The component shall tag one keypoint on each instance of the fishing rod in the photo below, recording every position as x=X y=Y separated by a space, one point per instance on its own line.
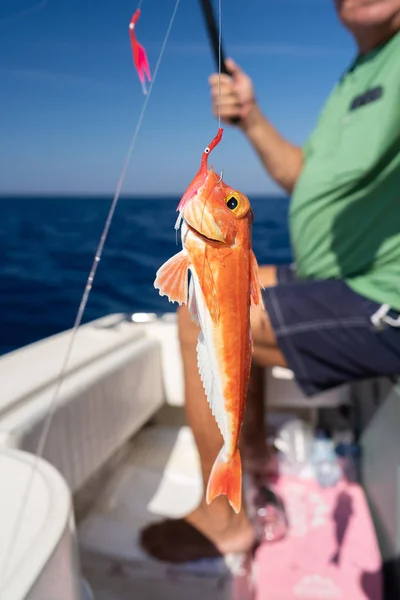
x=215 y=41
x=214 y=36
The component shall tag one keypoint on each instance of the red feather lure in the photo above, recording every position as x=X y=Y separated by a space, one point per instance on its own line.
x=139 y=53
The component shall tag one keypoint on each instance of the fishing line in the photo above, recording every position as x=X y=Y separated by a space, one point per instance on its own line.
x=219 y=59
x=219 y=125
x=36 y=8
x=82 y=305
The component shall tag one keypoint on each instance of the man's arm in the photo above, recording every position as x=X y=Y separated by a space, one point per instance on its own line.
x=235 y=97
x=282 y=160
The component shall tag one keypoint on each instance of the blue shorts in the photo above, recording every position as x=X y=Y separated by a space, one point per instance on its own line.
x=329 y=334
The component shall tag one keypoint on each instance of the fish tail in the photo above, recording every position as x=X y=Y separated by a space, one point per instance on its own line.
x=226 y=478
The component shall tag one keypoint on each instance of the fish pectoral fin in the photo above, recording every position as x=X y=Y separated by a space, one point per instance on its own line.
x=255 y=282
x=226 y=478
x=215 y=401
x=172 y=278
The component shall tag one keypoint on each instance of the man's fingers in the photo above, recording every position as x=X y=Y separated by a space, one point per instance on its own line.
x=227 y=112
x=234 y=69
x=226 y=94
x=215 y=78
x=227 y=103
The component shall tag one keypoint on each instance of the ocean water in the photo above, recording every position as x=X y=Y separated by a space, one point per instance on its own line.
x=47 y=247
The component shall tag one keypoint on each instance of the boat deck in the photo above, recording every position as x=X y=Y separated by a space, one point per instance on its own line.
x=329 y=552
x=124 y=475
x=159 y=477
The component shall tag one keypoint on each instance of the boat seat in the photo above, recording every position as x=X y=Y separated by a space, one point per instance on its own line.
x=113 y=384
x=283 y=392
x=38 y=550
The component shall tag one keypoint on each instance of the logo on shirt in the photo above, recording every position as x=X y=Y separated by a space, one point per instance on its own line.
x=366 y=98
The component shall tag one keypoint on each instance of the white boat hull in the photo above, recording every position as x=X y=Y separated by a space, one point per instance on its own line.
x=38 y=549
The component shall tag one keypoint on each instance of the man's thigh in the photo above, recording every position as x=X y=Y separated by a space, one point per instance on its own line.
x=266 y=351
x=322 y=330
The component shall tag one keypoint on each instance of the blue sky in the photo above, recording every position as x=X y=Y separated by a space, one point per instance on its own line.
x=70 y=97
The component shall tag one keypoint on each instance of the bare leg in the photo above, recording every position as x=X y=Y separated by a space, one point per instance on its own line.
x=217 y=520
x=221 y=529
x=258 y=457
x=199 y=416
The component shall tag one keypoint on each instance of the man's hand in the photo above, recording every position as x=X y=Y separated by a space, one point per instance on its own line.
x=237 y=95
x=282 y=160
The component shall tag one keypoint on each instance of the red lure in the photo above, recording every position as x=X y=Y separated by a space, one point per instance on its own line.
x=200 y=178
x=139 y=53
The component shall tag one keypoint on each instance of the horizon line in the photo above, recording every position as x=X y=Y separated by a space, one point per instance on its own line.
x=108 y=196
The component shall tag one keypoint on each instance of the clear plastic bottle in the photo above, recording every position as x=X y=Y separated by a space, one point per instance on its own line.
x=325 y=462
x=266 y=511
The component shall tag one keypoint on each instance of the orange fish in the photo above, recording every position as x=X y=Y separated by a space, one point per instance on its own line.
x=216 y=240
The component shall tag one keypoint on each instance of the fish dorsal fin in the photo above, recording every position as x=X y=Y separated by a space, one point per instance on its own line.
x=172 y=278
x=255 y=282
x=214 y=398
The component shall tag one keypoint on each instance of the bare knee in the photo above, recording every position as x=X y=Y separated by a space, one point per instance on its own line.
x=266 y=350
x=268 y=276
x=261 y=328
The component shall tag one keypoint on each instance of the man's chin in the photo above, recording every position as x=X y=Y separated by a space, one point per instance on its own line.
x=367 y=13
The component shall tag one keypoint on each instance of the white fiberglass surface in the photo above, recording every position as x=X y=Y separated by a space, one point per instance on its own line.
x=31 y=524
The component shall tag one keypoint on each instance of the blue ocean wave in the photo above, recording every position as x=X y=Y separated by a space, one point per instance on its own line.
x=47 y=247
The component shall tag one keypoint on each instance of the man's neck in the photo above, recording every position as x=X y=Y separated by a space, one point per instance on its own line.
x=368 y=39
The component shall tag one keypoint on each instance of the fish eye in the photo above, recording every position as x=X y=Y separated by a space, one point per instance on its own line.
x=238 y=204
x=232 y=203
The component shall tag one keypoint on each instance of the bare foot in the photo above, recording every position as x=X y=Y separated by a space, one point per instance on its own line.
x=176 y=541
x=208 y=532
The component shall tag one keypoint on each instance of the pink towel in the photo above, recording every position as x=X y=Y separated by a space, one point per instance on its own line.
x=331 y=551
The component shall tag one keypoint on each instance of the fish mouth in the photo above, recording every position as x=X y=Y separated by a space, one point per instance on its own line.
x=204 y=237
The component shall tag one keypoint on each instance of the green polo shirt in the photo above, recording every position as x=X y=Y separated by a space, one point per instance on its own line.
x=345 y=209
